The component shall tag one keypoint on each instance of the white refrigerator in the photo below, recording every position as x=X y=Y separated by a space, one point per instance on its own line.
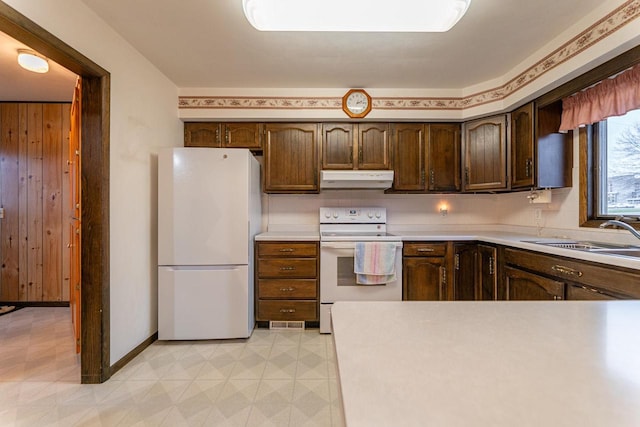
x=208 y=214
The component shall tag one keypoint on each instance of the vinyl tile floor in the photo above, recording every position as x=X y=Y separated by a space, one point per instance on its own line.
x=273 y=378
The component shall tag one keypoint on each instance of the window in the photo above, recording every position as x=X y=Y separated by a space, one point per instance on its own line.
x=616 y=157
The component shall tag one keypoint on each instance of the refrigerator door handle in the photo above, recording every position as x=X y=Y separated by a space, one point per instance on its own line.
x=203 y=267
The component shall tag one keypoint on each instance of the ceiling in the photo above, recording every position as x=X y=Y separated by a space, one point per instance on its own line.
x=18 y=84
x=209 y=43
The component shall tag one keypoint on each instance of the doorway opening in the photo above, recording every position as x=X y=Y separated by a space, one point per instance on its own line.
x=94 y=173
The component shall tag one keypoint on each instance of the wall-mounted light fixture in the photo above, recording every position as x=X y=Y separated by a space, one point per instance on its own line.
x=355 y=15
x=444 y=209
x=32 y=61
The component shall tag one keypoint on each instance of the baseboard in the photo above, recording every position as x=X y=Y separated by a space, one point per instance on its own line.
x=133 y=353
x=36 y=303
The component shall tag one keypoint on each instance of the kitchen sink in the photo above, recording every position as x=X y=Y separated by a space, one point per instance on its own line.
x=594 y=247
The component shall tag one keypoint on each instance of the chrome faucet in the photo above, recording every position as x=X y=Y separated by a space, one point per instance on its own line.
x=619 y=223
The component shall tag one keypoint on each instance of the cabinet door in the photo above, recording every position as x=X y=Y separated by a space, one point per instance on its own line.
x=373 y=146
x=443 y=157
x=242 y=135
x=522 y=149
x=487 y=285
x=407 y=140
x=291 y=158
x=521 y=286
x=338 y=146
x=424 y=279
x=202 y=135
x=485 y=151
x=465 y=259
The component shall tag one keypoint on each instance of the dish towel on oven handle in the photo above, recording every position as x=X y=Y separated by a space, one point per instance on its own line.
x=374 y=263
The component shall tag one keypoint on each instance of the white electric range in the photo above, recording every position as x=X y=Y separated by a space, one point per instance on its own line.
x=340 y=230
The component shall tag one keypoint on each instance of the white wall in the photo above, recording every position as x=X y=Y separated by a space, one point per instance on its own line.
x=143 y=118
x=403 y=210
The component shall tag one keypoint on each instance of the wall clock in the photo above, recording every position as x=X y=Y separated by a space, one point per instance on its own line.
x=356 y=103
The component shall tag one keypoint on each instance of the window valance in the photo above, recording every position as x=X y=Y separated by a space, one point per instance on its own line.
x=612 y=97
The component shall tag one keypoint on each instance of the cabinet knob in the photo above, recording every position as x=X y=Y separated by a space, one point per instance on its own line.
x=289 y=289
x=286 y=250
x=287 y=268
x=287 y=310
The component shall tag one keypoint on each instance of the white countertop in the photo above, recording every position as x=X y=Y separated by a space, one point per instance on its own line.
x=311 y=236
x=575 y=363
x=517 y=240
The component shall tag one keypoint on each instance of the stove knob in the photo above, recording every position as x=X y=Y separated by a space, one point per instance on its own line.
x=335 y=214
x=370 y=214
x=327 y=214
x=378 y=214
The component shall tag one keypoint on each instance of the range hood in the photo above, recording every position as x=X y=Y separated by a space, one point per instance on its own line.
x=337 y=179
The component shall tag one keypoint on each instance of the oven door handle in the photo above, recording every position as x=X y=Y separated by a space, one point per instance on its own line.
x=346 y=245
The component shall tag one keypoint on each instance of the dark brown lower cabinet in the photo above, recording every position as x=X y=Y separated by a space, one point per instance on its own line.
x=465 y=258
x=423 y=279
x=487 y=287
x=521 y=285
x=424 y=272
x=554 y=275
x=286 y=286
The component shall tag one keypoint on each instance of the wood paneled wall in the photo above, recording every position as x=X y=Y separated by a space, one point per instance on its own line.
x=34 y=192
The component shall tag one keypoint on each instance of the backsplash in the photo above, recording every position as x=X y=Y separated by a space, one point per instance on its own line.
x=402 y=209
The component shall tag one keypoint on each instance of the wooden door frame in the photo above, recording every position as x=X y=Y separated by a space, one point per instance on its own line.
x=96 y=89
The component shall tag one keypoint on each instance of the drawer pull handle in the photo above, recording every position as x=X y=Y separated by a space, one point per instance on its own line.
x=566 y=270
x=426 y=250
x=289 y=289
x=287 y=268
x=286 y=250
x=287 y=310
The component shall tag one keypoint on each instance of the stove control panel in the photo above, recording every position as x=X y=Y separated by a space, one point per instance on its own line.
x=372 y=215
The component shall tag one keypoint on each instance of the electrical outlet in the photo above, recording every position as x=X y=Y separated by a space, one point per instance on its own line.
x=537 y=214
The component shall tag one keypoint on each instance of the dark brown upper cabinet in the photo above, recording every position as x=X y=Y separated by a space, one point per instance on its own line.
x=407 y=142
x=485 y=154
x=355 y=146
x=426 y=157
x=541 y=157
x=523 y=165
x=225 y=135
x=291 y=158
x=202 y=134
x=443 y=156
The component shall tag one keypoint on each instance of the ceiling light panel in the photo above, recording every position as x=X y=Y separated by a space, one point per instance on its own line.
x=355 y=15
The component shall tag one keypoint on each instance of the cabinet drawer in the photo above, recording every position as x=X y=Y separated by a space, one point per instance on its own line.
x=288 y=267
x=607 y=278
x=288 y=288
x=287 y=310
x=424 y=249
x=287 y=249
x=578 y=292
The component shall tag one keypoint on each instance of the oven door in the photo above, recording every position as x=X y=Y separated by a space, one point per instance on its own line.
x=338 y=281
